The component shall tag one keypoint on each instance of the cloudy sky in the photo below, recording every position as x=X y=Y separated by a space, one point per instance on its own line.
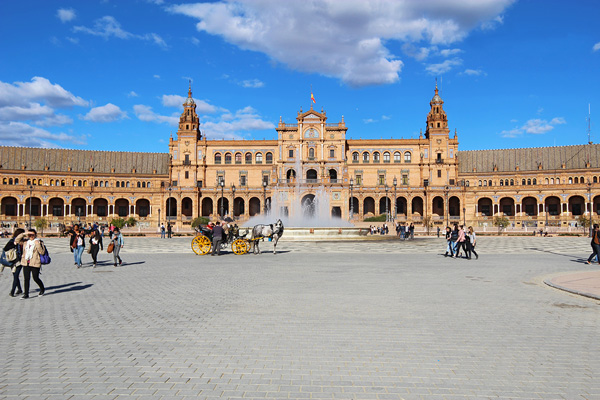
x=112 y=75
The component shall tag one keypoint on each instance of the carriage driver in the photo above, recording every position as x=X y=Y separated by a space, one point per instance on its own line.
x=217 y=238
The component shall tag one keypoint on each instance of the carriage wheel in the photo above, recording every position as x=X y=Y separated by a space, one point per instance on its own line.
x=240 y=246
x=201 y=245
x=247 y=245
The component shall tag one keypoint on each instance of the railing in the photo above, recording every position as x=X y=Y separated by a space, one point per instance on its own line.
x=331 y=180
x=187 y=162
x=439 y=161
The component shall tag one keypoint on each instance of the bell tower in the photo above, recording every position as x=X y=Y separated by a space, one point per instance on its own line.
x=189 y=124
x=437 y=121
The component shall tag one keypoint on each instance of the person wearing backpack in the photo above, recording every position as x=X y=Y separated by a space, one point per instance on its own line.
x=16 y=264
x=30 y=260
x=454 y=240
x=595 y=245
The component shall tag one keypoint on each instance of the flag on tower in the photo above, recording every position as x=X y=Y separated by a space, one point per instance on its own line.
x=312 y=98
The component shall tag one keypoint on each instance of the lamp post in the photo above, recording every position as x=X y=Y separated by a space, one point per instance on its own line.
x=395 y=182
x=233 y=200
x=387 y=215
x=169 y=205
x=264 y=184
x=464 y=216
x=351 y=198
x=446 y=212
x=159 y=217
x=546 y=225
x=222 y=184
x=30 y=195
x=589 y=188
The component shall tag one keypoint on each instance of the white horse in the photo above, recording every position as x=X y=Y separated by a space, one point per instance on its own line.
x=266 y=231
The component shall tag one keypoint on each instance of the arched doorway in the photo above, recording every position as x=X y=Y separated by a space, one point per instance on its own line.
x=454 y=207
x=171 y=207
x=311 y=176
x=437 y=206
x=368 y=206
x=254 y=206
x=122 y=207
x=353 y=205
x=417 y=206
x=576 y=205
x=384 y=205
x=552 y=204
x=100 y=207
x=401 y=208
x=484 y=206
x=336 y=212
x=290 y=174
x=207 y=207
x=142 y=207
x=596 y=205
x=507 y=206
x=332 y=175
x=308 y=205
x=530 y=206
x=56 y=205
x=186 y=207
x=238 y=207
x=223 y=206
x=9 y=206
x=36 y=206
x=78 y=208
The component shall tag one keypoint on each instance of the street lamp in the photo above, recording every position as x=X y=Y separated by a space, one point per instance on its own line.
x=159 y=217
x=264 y=183
x=351 y=198
x=233 y=199
x=169 y=205
x=30 y=194
x=446 y=212
x=222 y=184
x=395 y=198
x=465 y=216
x=387 y=215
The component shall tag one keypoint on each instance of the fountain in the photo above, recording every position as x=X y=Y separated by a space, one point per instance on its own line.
x=306 y=215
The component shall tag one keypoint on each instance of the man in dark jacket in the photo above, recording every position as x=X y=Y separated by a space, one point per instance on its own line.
x=217 y=238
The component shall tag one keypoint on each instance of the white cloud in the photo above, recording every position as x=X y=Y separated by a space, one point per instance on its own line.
x=107 y=113
x=145 y=113
x=22 y=134
x=231 y=126
x=450 y=52
x=442 y=68
x=253 y=83
x=418 y=53
x=156 y=76
x=66 y=14
x=369 y=120
x=202 y=107
x=107 y=27
x=132 y=94
x=346 y=40
x=39 y=89
x=534 y=126
x=596 y=47
x=474 y=72
x=493 y=23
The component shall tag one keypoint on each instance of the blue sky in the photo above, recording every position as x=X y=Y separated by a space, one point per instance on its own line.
x=112 y=75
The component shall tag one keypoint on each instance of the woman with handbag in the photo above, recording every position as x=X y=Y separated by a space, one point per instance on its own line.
x=118 y=243
x=95 y=245
x=17 y=248
x=77 y=244
x=30 y=260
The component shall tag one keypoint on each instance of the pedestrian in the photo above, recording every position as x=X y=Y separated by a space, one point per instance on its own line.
x=411 y=229
x=162 y=230
x=454 y=240
x=595 y=245
x=30 y=260
x=472 y=242
x=77 y=242
x=403 y=231
x=169 y=230
x=462 y=242
x=438 y=231
x=217 y=238
x=16 y=264
x=95 y=245
x=118 y=243
x=450 y=245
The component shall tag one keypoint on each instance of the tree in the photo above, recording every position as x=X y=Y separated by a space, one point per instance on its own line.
x=118 y=222
x=427 y=222
x=584 y=222
x=199 y=221
x=501 y=223
x=41 y=224
x=130 y=221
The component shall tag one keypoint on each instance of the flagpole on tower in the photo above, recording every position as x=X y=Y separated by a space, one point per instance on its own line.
x=312 y=98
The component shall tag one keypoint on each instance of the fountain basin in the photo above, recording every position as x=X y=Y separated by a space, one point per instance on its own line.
x=308 y=234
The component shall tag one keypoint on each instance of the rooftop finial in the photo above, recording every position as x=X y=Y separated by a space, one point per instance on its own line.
x=436 y=89
x=190 y=89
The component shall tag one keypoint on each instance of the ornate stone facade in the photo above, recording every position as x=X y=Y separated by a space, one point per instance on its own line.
x=410 y=179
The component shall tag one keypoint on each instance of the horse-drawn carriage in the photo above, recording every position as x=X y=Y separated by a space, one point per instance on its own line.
x=239 y=243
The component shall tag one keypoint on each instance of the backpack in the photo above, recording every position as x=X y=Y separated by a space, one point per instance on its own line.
x=454 y=236
x=45 y=258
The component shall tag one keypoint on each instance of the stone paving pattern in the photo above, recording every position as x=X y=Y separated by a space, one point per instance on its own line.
x=371 y=320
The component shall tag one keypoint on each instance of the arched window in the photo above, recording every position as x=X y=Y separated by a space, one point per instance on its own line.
x=523 y=182
x=595 y=179
x=512 y=182
x=74 y=183
x=148 y=184
x=407 y=157
x=144 y=185
x=386 y=157
x=258 y=158
x=16 y=181
x=51 y=182
x=529 y=182
x=570 y=180
x=248 y=158
x=355 y=156
x=10 y=181
x=376 y=156
x=534 y=181
x=397 y=157
x=118 y=184
x=79 y=183
x=139 y=184
x=105 y=183
x=269 y=158
x=62 y=183
x=547 y=181
x=576 y=180
x=127 y=185
x=39 y=182
x=238 y=158
x=227 y=158
x=480 y=184
x=490 y=183
x=366 y=157
x=29 y=181
x=217 y=158
x=484 y=183
x=581 y=180
x=501 y=182
x=311 y=153
x=101 y=184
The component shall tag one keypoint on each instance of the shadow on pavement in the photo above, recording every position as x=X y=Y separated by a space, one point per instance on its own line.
x=62 y=286
x=72 y=288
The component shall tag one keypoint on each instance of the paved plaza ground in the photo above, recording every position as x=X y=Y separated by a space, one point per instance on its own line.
x=351 y=320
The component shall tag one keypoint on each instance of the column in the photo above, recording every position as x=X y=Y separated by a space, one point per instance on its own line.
x=134 y=209
x=65 y=210
x=516 y=209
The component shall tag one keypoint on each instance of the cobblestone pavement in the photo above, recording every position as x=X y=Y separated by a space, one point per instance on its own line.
x=371 y=320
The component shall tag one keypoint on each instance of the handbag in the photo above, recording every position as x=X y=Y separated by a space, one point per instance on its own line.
x=3 y=260
x=12 y=255
x=110 y=247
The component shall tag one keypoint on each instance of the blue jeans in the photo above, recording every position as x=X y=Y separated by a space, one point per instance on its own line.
x=77 y=252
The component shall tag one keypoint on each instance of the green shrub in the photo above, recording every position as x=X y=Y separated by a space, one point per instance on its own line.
x=200 y=221
x=131 y=221
x=118 y=222
x=379 y=218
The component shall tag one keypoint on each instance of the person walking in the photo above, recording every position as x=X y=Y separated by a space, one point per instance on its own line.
x=217 y=238
x=118 y=243
x=16 y=265
x=77 y=244
x=461 y=242
x=95 y=245
x=411 y=229
x=30 y=260
x=450 y=246
x=169 y=230
x=472 y=242
x=162 y=231
x=454 y=240
x=595 y=245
